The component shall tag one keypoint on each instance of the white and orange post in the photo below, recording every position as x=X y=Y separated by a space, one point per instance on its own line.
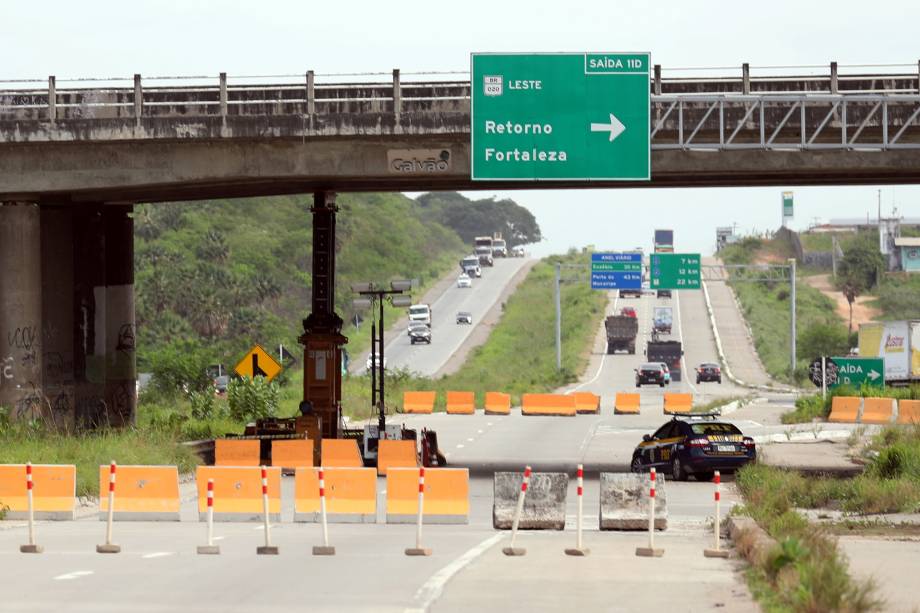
x=511 y=550
x=109 y=547
x=717 y=552
x=579 y=549
x=31 y=547
x=325 y=549
x=210 y=547
x=418 y=550
x=651 y=551
x=268 y=548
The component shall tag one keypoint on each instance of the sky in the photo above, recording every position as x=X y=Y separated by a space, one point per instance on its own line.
x=105 y=38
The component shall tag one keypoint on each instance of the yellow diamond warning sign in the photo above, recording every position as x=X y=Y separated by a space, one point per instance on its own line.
x=258 y=363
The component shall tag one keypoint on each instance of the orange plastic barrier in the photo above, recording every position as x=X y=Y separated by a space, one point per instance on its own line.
x=677 y=404
x=498 y=403
x=586 y=402
x=237 y=492
x=142 y=493
x=548 y=404
x=341 y=453
x=447 y=496
x=351 y=495
x=909 y=411
x=877 y=410
x=627 y=404
x=395 y=454
x=292 y=453
x=461 y=403
x=236 y=452
x=54 y=491
x=844 y=409
x=418 y=402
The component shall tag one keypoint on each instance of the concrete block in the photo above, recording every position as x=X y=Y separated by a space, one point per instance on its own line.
x=624 y=502
x=544 y=504
x=208 y=550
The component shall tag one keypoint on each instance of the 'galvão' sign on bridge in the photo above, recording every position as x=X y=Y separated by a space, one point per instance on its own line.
x=568 y=116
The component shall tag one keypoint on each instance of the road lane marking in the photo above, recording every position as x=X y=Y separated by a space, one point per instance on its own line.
x=459 y=445
x=469 y=440
x=218 y=538
x=680 y=335
x=74 y=575
x=432 y=589
x=600 y=367
x=488 y=423
x=158 y=554
x=478 y=431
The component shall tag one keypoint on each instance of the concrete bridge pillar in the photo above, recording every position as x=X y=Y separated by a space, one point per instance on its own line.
x=58 y=313
x=20 y=309
x=89 y=319
x=120 y=357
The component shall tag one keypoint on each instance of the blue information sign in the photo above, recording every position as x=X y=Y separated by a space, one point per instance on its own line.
x=616 y=271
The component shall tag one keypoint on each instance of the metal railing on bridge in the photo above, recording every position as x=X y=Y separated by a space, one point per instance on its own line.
x=734 y=112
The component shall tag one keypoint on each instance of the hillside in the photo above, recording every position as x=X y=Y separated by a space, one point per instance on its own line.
x=213 y=277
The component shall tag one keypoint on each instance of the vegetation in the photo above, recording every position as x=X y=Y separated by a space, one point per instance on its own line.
x=859 y=270
x=897 y=296
x=765 y=306
x=805 y=571
x=520 y=356
x=810 y=408
x=469 y=219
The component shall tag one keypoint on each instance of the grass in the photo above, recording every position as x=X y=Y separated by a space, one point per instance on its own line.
x=766 y=308
x=22 y=443
x=520 y=356
x=717 y=403
x=897 y=296
x=805 y=571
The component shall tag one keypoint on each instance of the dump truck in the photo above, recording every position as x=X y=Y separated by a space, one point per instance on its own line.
x=621 y=333
x=662 y=320
x=898 y=343
x=669 y=352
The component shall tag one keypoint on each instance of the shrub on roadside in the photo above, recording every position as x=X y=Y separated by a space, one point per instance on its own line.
x=251 y=399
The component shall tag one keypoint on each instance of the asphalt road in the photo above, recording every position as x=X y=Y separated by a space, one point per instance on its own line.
x=446 y=335
x=159 y=571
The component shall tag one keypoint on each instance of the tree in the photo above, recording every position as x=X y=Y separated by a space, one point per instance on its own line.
x=821 y=339
x=858 y=270
x=471 y=218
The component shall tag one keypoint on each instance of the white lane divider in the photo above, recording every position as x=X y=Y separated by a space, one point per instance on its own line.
x=218 y=538
x=488 y=423
x=479 y=431
x=680 y=335
x=74 y=575
x=158 y=554
x=469 y=440
x=600 y=367
x=432 y=589
x=459 y=445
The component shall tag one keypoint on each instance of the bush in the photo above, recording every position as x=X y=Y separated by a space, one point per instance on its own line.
x=252 y=399
x=179 y=368
x=822 y=338
x=203 y=405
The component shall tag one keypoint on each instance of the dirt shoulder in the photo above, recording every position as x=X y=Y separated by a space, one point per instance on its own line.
x=862 y=311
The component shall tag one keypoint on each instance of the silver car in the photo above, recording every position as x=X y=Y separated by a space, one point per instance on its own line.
x=464 y=317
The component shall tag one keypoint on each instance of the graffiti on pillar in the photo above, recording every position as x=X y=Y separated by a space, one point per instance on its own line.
x=29 y=405
x=53 y=366
x=61 y=407
x=23 y=337
x=7 y=370
x=122 y=401
x=91 y=412
x=125 y=342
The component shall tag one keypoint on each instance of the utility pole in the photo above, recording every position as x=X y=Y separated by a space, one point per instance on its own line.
x=792 y=313
x=558 y=321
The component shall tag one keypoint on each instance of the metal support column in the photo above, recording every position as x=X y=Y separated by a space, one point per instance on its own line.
x=792 y=314
x=381 y=373
x=322 y=338
x=558 y=321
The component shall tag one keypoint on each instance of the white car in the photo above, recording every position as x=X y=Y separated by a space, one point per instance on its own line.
x=517 y=251
x=464 y=280
x=376 y=362
x=464 y=317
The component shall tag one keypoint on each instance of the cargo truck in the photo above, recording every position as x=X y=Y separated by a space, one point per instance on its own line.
x=898 y=343
x=499 y=247
x=663 y=319
x=664 y=241
x=669 y=352
x=621 y=333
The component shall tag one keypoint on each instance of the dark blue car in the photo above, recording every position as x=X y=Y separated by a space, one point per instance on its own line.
x=695 y=445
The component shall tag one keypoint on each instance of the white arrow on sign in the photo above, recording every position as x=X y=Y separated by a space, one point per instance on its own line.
x=874 y=375
x=615 y=127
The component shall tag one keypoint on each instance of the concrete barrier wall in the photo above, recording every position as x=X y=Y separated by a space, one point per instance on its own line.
x=544 y=505
x=624 y=501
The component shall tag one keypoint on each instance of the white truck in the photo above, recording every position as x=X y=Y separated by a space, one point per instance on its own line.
x=499 y=247
x=470 y=265
x=482 y=247
x=420 y=313
x=898 y=343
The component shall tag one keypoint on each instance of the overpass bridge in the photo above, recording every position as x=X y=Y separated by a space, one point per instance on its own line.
x=74 y=159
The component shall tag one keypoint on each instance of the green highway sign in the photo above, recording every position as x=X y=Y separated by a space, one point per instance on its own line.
x=858 y=371
x=674 y=271
x=560 y=116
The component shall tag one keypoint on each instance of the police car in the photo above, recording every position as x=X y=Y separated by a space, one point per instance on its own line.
x=694 y=445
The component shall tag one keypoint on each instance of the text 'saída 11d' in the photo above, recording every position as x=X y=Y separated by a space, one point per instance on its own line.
x=674 y=271
x=568 y=116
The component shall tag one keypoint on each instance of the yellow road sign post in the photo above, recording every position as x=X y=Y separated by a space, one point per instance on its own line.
x=258 y=363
